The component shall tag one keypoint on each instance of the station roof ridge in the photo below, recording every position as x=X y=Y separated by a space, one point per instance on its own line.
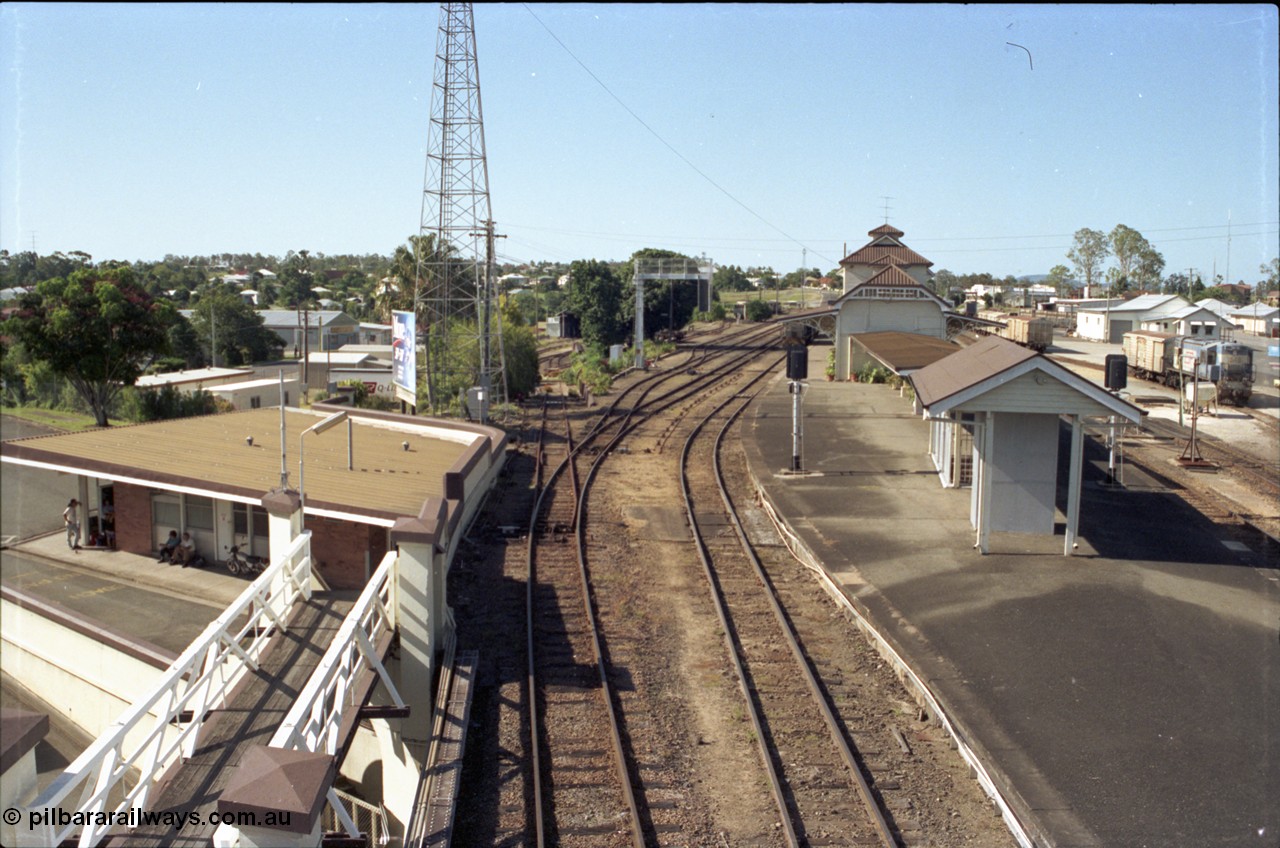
x=993 y=361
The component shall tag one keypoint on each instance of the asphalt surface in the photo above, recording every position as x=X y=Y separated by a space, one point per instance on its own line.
x=31 y=502
x=1127 y=696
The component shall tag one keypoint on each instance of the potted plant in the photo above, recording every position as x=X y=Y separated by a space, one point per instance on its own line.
x=831 y=364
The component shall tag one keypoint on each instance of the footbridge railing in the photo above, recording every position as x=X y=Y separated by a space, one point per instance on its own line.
x=112 y=779
x=315 y=721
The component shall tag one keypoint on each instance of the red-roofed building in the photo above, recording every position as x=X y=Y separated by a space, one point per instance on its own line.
x=884 y=250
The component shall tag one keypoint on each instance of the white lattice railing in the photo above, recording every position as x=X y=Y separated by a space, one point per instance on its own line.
x=313 y=722
x=98 y=782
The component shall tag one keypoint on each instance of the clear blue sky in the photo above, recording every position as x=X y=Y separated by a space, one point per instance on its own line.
x=132 y=131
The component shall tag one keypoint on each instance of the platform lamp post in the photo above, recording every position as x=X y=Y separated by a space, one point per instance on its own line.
x=331 y=421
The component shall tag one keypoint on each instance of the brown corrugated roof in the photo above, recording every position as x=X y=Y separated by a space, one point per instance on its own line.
x=968 y=367
x=211 y=453
x=891 y=276
x=905 y=351
x=870 y=253
x=885 y=244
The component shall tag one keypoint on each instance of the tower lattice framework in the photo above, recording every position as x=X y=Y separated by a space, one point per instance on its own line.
x=455 y=295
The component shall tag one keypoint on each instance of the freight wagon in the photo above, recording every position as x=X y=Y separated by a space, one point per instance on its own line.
x=1035 y=333
x=1172 y=359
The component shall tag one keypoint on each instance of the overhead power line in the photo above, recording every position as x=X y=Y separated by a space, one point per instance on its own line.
x=666 y=143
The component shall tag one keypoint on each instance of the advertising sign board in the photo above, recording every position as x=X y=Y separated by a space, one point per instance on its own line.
x=404 y=360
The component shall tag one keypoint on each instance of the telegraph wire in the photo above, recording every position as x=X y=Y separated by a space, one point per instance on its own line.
x=667 y=144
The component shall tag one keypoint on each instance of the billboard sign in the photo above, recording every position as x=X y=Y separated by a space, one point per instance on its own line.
x=404 y=360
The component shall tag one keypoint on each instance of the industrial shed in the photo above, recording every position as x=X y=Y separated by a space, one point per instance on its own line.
x=997 y=407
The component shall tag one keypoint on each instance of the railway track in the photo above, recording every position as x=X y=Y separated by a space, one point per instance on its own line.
x=813 y=771
x=593 y=744
x=586 y=790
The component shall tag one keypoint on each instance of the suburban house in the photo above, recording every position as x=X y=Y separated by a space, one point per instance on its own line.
x=1109 y=323
x=1194 y=320
x=1258 y=319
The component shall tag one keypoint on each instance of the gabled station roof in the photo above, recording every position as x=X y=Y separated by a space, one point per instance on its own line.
x=971 y=378
x=885 y=244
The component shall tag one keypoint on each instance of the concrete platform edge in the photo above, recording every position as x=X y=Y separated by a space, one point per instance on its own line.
x=1017 y=814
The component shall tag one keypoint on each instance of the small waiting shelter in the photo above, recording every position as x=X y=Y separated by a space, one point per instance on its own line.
x=996 y=407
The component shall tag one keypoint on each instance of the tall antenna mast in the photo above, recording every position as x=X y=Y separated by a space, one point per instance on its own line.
x=454 y=289
x=886 y=208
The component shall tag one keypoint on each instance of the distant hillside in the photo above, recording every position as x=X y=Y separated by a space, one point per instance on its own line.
x=1032 y=279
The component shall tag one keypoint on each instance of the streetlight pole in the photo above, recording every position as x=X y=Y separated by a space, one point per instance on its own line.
x=332 y=420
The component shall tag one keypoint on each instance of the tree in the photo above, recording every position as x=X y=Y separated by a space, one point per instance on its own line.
x=1061 y=279
x=595 y=297
x=667 y=303
x=758 y=310
x=223 y=318
x=1149 y=267
x=943 y=282
x=97 y=328
x=1270 y=276
x=730 y=278
x=1128 y=245
x=519 y=351
x=1088 y=251
x=296 y=279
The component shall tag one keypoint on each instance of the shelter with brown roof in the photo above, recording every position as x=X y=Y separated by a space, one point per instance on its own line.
x=995 y=410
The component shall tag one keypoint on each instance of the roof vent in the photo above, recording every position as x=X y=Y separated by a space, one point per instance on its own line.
x=249 y=441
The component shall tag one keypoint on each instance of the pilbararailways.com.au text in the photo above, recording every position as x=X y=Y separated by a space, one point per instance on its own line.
x=132 y=818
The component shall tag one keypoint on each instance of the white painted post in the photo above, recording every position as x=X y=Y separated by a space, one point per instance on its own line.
x=639 y=320
x=984 y=495
x=419 y=624
x=1074 y=473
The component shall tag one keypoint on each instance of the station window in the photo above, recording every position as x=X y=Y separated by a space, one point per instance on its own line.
x=166 y=513
x=199 y=513
x=255 y=402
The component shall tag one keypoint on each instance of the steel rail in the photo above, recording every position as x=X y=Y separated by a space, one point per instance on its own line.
x=874 y=812
x=612 y=414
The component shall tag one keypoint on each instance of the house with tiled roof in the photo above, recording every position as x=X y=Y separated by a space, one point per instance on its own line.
x=885 y=250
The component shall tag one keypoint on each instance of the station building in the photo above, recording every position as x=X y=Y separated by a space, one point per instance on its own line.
x=218 y=476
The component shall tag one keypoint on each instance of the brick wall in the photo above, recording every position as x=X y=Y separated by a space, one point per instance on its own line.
x=339 y=547
x=133 y=518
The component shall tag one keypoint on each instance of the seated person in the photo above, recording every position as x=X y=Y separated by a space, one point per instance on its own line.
x=169 y=547
x=185 y=551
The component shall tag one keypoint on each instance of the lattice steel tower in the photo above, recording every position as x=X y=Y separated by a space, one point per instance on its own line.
x=455 y=293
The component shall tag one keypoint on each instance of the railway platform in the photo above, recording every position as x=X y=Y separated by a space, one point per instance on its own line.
x=1128 y=695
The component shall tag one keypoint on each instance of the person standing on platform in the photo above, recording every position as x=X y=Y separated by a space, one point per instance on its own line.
x=71 y=518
